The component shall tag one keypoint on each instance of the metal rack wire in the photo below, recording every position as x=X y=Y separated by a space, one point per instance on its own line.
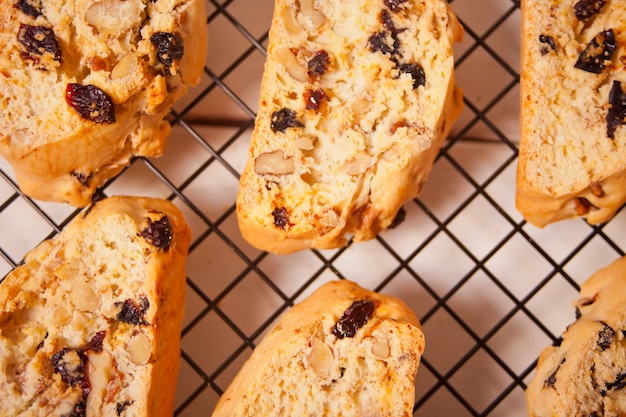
x=491 y=291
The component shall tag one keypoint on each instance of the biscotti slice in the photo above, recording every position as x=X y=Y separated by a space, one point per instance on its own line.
x=356 y=99
x=85 y=86
x=572 y=150
x=342 y=351
x=585 y=374
x=90 y=323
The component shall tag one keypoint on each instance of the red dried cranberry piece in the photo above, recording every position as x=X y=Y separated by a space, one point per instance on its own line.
x=70 y=362
x=416 y=72
x=394 y=5
x=280 y=217
x=597 y=52
x=385 y=18
x=355 y=317
x=159 y=233
x=169 y=47
x=284 y=119
x=38 y=41
x=617 y=112
x=29 y=7
x=584 y=9
x=132 y=313
x=384 y=42
x=619 y=383
x=318 y=65
x=314 y=99
x=90 y=102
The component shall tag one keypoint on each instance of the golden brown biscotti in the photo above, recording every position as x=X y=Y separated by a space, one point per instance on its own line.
x=572 y=150
x=585 y=375
x=90 y=323
x=342 y=351
x=356 y=99
x=85 y=86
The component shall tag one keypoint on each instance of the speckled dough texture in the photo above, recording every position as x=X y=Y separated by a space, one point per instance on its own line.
x=302 y=368
x=115 y=277
x=585 y=375
x=572 y=160
x=356 y=99
x=58 y=154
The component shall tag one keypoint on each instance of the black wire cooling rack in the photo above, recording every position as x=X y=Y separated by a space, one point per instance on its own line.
x=491 y=290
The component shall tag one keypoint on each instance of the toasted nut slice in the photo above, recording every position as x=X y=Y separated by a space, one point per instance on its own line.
x=320 y=358
x=139 y=349
x=274 y=163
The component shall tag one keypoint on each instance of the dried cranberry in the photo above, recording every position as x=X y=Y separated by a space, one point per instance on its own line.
x=385 y=18
x=355 y=317
x=169 y=47
x=90 y=102
x=280 y=217
x=584 y=9
x=606 y=336
x=314 y=99
x=37 y=42
x=318 y=65
x=619 y=383
x=617 y=112
x=70 y=364
x=549 y=41
x=30 y=7
x=394 y=5
x=284 y=119
x=600 y=49
x=383 y=42
x=159 y=233
x=81 y=177
x=80 y=409
x=416 y=72
x=132 y=313
x=121 y=407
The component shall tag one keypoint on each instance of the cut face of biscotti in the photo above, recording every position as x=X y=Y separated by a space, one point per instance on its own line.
x=585 y=375
x=90 y=323
x=85 y=85
x=342 y=351
x=572 y=150
x=356 y=99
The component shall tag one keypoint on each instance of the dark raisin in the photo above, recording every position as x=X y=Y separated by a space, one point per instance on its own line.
x=132 y=313
x=81 y=177
x=318 y=64
x=619 y=383
x=617 y=112
x=584 y=9
x=394 y=5
x=280 y=217
x=384 y=42
x=385 y=18
x=283 y=119
x=80 y=409
x=90 y=102
x=314 y=99
x=70 y=364
x=551 y=379
x=30 y=7
x=169 y=47
x=121 y=407
x=158 y=233
x=598 y=51
x=606 y=336
x=549 y=41
x=355 y=317
x=416 y=72
x=398 y=219
x=38 y=43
